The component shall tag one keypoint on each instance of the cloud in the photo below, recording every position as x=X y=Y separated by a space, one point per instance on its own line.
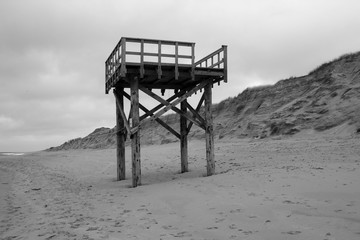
x=52 y=53
x=8 y=123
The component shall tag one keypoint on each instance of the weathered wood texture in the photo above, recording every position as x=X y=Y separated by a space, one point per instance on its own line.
x=120 y=135
x=146 y=64
x=167 y=106
x=183 y=139
x=149 y=113
x=201 y=101
x=120 y=110
x=162 y=64
x=209 y=133
x=135 y=138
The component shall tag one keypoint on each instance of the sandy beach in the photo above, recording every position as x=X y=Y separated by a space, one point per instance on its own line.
x=305 y=187
x=5 y=179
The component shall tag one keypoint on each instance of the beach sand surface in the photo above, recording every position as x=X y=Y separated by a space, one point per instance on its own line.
x=304 y=187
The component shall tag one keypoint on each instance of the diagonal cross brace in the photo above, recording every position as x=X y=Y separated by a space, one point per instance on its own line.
x=197 y=110
x=194 y=112
x=161 y=122
x=166 y=103
x=169 y=105
x=179 y=94
x=179 y=100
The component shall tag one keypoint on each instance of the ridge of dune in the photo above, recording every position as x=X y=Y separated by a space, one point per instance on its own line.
x=326 y=100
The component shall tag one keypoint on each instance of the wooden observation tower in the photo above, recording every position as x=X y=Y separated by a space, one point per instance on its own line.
x=147 y=64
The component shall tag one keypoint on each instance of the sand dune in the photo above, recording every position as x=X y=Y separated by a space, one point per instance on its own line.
x=305 y=187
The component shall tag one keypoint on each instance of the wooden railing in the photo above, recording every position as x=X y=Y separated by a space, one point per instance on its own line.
x=133 y=50
x=217 y=59
x=213 y=60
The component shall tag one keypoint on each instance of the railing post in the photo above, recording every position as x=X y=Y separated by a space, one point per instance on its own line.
x=225 y=62
x=106 y=77
x=159 y=60
x=123 y=58
x=142 y=70
x=176 y=61
x=193 y=61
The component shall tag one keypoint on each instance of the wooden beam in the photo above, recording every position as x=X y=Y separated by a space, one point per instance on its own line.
x=208 y=73
x=135 y=141
x=121 y=110
x=198 y=107
x=175 y=109
x=157 y=55
x=166 y=126
x=179 y=100
x=156 y=97
x=120 y=136
x=195 y=113
x=161 y=122
x=153 y=41
x=150 y=113
x=183 y=139
x=209 y=133
x=213 y=65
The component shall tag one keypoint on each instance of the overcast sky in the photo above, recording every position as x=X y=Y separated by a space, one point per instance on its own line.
x=52 y=53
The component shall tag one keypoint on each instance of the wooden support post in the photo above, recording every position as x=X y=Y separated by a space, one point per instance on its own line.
x=120 y=135
x=135 y=138
x=209 y=133
x=183 y=139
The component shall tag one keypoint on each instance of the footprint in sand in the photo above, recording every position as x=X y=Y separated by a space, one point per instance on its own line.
x=182 y=234
x=292 y=232
x=217 y=220
x=142 y=210
x=125 y=212
x=169 y=227
x=92 y=228
x=232 y=226
x=119 y=223
x=212 y=228
x=238 y=210
x=247 y=232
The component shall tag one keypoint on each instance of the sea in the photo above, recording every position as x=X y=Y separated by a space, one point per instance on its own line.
x=11 y=153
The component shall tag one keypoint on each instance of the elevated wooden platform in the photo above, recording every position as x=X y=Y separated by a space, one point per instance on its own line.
x=146 y=64
x=159 y=69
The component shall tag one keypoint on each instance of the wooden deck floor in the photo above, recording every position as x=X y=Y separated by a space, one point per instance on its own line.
x=166 y=80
